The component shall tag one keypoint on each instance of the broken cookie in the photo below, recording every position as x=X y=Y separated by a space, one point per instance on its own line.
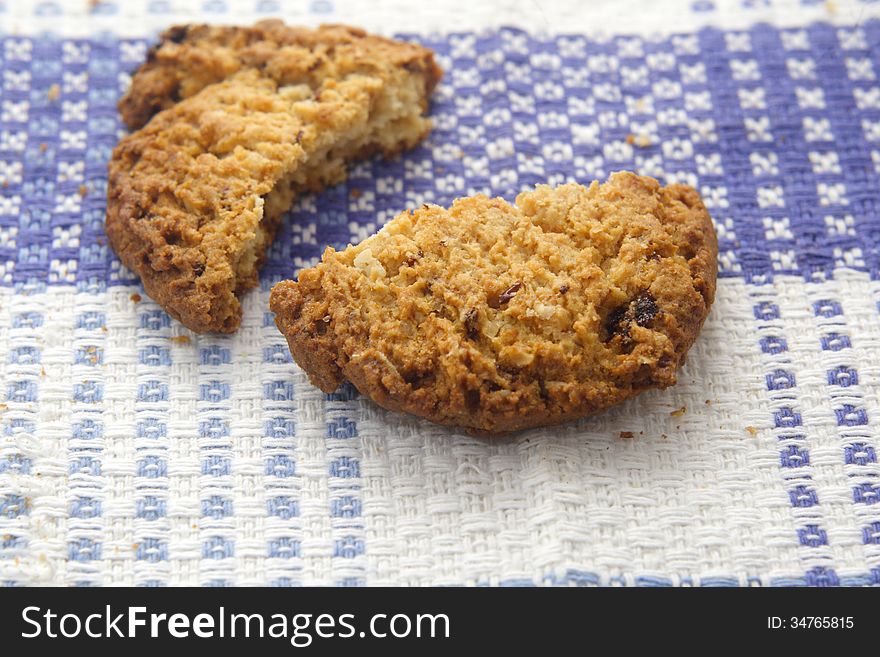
x=497 y=317
x=232 y=123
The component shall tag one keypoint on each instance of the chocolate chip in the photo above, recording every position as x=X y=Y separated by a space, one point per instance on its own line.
x=510 y=292
x=496 y=300
x=641 y=310
x=177 y=33
x=470 y=324
x=299 y=136
x=616 y=322
x=564 y=288
x=644 y=309
x=198 y=269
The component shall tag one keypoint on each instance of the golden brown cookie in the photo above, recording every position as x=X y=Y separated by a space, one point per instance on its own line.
x=499 y=317
x=249 y=118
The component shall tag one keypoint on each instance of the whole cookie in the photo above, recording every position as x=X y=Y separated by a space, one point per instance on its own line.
x=498 y=317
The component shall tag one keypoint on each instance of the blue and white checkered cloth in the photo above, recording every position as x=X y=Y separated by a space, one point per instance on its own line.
x=135 y=452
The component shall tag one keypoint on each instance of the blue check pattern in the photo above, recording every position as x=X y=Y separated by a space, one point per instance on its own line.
x=778 y=128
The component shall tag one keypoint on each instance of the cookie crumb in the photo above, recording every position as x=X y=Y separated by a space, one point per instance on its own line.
x=54 y=92
x=44 y=147
x=678 y=412
x=627 y=435
x=752 y=431
x=135 y=297
x=83 y=190
x=5 y=184
x=181 y=339
x=639 y=141
x=355 y=193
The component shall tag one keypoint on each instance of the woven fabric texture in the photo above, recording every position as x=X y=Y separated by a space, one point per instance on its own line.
x=135 y=452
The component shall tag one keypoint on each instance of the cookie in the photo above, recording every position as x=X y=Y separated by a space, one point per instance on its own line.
x=497 y=317
x=236 y=122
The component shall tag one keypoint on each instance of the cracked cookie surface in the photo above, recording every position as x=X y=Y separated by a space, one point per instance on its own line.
x=232 y=123
x=498 y=317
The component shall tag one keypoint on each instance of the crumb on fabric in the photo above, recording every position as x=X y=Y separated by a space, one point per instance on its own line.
x=639 y=141
x=678 y=412
x=627 y=435
x=181 y=339
x=752 y=431
x=54 y=92
x=135 y=297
